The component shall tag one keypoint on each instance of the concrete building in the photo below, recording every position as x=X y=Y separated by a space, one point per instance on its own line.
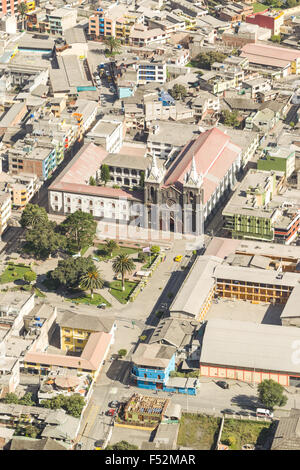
x=257 y=210
x=166 y=138
x=58 y=21
x=5 y=211
x=250 y=352
x=272 y=20
x=278 y=159
x=154 y=71
x=286 y=60
x=108 y=133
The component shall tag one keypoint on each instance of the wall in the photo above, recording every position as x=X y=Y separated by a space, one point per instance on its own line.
x=243 y=375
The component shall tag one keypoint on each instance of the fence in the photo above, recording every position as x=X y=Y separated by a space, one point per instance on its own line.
x=219 y=414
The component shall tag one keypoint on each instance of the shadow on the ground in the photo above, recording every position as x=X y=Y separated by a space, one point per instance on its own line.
x=246 y=402
x=118 y=370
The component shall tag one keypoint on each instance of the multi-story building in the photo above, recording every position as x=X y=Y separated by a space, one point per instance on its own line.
x=272 y=20
x=259 y=211
x=60 y=20
x=38 y=160
x=152 y=365
x=22 y=189
x=10 y=6
x=108 y=134
x=278 y=159
x=5 y=210
x=151 y=71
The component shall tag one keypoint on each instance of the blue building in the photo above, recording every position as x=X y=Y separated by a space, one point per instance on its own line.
x=152 y=364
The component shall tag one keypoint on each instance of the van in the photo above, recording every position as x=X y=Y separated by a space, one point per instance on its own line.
x=264 y=413
x=78 y=255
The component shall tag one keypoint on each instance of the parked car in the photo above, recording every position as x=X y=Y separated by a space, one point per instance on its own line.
x=77 y=255
x=264 y=413
x=228 y=411
x=99 y=445
x=95 y=258
x=103 y=305
x=111 y=412
x=114 y=404
x=243 y=413
x=222 y=384
x=178 y=258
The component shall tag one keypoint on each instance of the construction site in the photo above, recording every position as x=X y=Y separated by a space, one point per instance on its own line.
x=142 y=410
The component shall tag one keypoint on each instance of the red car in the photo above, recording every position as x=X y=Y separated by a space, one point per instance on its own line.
x=111 y=412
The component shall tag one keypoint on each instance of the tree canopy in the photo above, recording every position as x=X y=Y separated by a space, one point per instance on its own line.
x=105 y=174
x=178 y=92
x=206 y=59
x=29 y=276
x=271 y=394
x=229 y=118
x=70 y=271
x=80 y=229
x=122 y=445
x=73 y=404
x=43 y=240
x=33 y=215
x=122 y=265
x=91 y=280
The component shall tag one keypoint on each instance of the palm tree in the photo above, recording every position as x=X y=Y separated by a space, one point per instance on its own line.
x=22 y=10
x=112 y=43
x=91 y=280
x=111 y=245
x=122 y=265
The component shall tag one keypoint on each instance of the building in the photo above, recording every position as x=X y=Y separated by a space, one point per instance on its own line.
x=278 y=159
x=5 y=211
x=151 y=71
x=144 y=411
x=286 y=60
x=167 y=138
x=272 y=20
x=257 y=210
x=250 y=352
x=152 y=365
x=108 y=133
x=22 y=188
x=195 y=181
x=37 y=160
x=287 y=432
x=58 y=21
x=84 y=334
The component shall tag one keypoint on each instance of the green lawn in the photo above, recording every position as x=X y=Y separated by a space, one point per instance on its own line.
x=13 y=273
x=86 y=299
x=100 y=252
x=199 y=432
x=257 y=7
x=245 y=432
x=118 y=293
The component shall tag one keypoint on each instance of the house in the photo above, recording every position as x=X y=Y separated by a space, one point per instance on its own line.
x=278 y=159
x=287 y=435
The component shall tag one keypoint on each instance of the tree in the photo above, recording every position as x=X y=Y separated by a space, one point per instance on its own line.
x=142 y=256
x=92 y=181
x=70 y=271
x=142 y=179
x=10 y=398
x=122 y=352
x=122 y=445
x=229 y=118
x=33 y=215
x=73 y=404
x=122 y=265
x=31 y=431
x=271 y=394
x=113 y=44
x=105 y=174
x=29 y=276
x=22 y=10
x=43 y=241
x=91 y=280
x=111 y=245
x=27 y=400
x=275 y=38
x=155 y=249
x=178 y=92
x=206 y=59
x=80 y=229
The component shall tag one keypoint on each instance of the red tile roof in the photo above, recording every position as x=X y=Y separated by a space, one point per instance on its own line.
x=93 y=354
x=214 y=154
x=271 y=52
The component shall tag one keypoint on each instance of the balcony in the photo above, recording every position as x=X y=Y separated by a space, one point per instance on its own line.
x=148 y=379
